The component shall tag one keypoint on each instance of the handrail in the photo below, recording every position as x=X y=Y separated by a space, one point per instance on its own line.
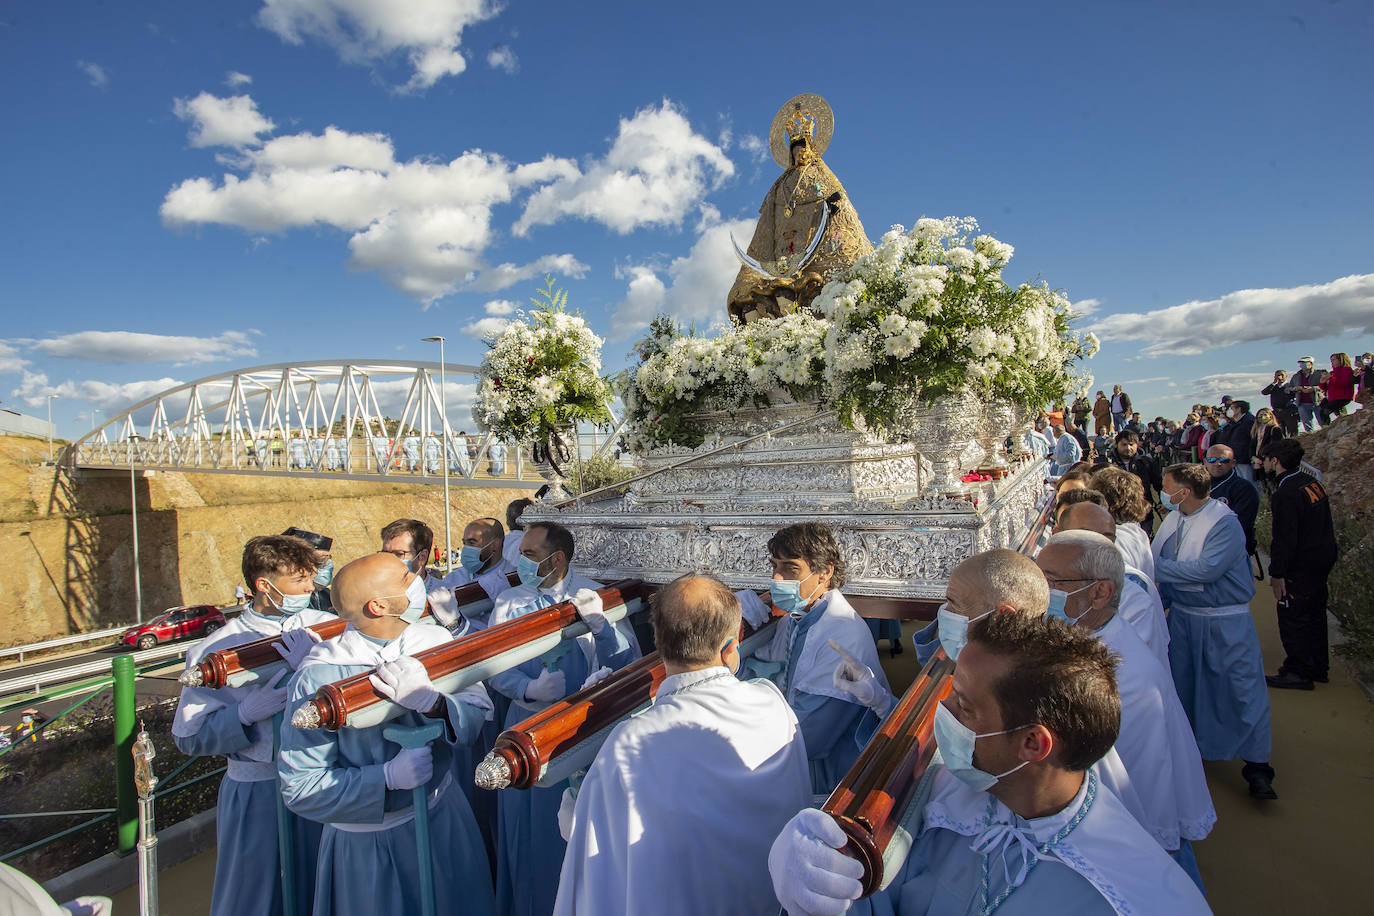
x=59 y=675
x=64 y=641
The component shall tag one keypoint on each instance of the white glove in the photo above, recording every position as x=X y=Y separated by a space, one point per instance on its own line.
x=565 y=814
x=858 y=680
x=810 y=875
x=409 y=769
x=477 y=697
x=89 y=906
x=597 y=676
x=406 y=682
x=755 y=612
x=547 y=688
x=589 y=610
x=296 y=644
x=263 y=702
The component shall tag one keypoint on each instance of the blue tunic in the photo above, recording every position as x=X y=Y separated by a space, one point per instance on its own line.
x=830 y=726
x=337 y=778
x=529 y=847
x=1215 y=659
x=247 y=870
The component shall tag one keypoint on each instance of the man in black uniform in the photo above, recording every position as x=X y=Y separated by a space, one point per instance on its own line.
x=1230 y=488
x=1300 y=558
x=1126 y=454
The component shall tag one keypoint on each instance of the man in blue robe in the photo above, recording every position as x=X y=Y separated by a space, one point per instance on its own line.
x=1204 y=578
x=1017 y=820
x=530 y=848
x=359 y=784
x=237 y=723
x=808 y=571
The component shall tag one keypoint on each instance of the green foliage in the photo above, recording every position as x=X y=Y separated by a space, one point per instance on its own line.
x=594 y=473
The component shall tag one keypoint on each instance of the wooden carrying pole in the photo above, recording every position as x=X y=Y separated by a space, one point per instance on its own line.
x=354 y=703
x=874 y=799
x=252 y=662
x=564 y=738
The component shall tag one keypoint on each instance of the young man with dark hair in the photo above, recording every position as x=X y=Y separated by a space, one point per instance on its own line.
x=707 y=736
x=1301 y=556
x=1017 y=816
x=831 y=690
x=1205 y=580
x=1125 y=454
x=238 y=722
x=529 y=847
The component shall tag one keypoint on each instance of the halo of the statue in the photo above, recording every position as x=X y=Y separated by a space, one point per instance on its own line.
x=810 y=104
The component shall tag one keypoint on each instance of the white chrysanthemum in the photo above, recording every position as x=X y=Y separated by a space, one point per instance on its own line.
x=1091 y=344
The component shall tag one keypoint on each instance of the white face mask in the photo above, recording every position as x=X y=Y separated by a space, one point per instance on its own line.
x=956 y=741
x=415 y=601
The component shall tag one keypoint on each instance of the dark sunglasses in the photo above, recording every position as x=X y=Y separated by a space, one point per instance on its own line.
x=1218 y=460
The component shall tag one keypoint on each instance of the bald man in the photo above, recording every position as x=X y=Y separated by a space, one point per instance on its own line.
x=995 y=580
x=481 y=561
x=1086 y=573
x=731 y=747
x=1231 y=489
x=1140 y=605
x=358 y=784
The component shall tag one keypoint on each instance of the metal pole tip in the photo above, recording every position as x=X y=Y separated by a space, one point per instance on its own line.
x=307 y=716
x=191 y=677
x=492 y=773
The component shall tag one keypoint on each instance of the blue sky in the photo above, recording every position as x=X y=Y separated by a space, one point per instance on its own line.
x=192 y=188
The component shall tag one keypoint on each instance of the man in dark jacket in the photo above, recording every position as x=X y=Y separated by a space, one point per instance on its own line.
x=1126 y=454
x=1241 y=427
x=1301 y=555
x=1283 y=403
x=1229 y=487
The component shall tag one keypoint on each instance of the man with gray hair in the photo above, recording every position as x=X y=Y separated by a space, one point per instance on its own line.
x=994 y=580
x=1140 y=605
x=1085 y=573
x=732 y=747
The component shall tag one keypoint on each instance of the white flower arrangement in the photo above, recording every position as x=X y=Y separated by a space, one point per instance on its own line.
x=541 y=374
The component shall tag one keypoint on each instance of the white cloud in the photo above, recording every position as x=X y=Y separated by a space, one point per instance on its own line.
x=506 y=275
x=486 y=327
x=500 y=307
x=657 y=170
x=34 y=389
x=502 y=57
x=423 y=225
x=427 y=32
x=698 y=282
x=234 y=121
x=755 y=146
x=234 y=79
x=10 y=360
x=95 y=73
x=132 y=347
x=1300 y=313
x=1085 y=307
x=1243 y=385
x=1147 y=381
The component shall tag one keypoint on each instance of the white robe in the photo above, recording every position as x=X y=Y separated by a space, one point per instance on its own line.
x=510 y=549
x=1134 y=545
x=517 y=601
x=683 y=801
x=1143 y=610
x=1156 y=743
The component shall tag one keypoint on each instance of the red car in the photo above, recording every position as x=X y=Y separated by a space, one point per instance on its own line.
x=175 y=623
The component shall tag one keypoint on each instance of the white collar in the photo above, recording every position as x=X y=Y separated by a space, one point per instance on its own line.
x=677 y=683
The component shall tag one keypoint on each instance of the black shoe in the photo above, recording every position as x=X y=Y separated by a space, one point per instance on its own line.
x=897 y=648
x=1261 y=786
x=1322 y=679
x=1287 y=680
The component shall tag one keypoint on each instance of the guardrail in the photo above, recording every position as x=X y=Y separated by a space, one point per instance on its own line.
x=38 y=680
x=64 y=641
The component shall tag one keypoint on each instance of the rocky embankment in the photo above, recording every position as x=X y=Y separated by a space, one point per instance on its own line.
x=66 y=554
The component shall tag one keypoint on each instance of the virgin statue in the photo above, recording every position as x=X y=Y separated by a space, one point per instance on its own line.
x=807 y=227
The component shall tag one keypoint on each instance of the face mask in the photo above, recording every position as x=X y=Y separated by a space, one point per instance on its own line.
x=1171 y=502
x=786 y=595
x=1059 y=599
x=470 y=558
x=289 y=604
x=415 y=601
x=956 y=740
x=953 y=630
x=528 y=571
x=325 y=574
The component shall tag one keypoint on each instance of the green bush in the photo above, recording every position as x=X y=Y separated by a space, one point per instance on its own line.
x=594 y=473
x=1351 y=584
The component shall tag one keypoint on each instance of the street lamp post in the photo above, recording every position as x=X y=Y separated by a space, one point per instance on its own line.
x=448 y=444
x=133 y=505
x=50 y=397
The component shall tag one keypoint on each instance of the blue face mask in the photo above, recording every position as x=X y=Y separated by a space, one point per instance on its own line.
x=953 y=629
x=956 y=740
x=1170 y=504
x=289 y=604
x=1059 y=599
x=470 y=558
x=325 y=574
x=786 y=595
x=528 y=571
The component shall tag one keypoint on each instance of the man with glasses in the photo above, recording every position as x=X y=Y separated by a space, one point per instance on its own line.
x=409 y=540
x=1231 y=488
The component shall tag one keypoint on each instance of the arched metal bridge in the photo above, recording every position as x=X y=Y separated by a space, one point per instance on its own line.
x=353 y=419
